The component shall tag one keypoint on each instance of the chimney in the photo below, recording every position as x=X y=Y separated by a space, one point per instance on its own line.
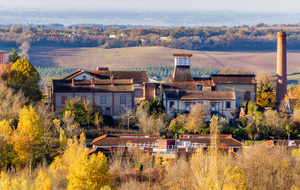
x=73 y=82
x=281 y=87
x=92 y=82
x=101 y=68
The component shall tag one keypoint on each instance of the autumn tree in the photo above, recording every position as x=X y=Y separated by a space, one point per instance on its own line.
x=24 y=76
x=81 y=170
x=7 y=154
x=10 y=103
x=266 y=96
x=195 y=120
x=151 y=118
x=28 y=137
x=214 y=170
x=274 y=123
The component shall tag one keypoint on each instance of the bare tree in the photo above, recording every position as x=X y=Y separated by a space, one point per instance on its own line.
x=127 y=115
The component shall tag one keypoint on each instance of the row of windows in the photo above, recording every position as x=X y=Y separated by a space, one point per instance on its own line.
x=102 y=100
x=187 y=105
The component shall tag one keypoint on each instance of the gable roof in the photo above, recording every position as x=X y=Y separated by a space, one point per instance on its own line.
x=233 y=78
x=137 y=76
x=200 y=95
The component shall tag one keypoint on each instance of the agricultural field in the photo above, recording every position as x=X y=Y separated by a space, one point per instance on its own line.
x=118 y=58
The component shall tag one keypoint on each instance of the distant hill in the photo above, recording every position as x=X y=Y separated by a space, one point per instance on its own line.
x=118 y=58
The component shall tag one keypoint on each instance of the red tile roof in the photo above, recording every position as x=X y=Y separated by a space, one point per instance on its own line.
x=200 y=95
x=182 y=55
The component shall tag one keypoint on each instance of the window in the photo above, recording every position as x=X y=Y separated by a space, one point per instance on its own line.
x=63 y=99
x=138 y=93
x=199 y=86
x=103 y=99
x=213 y=106
x=187 y=106
x=171 y=104
x=123 y=100
x=228 y=105
x=84 y=77
x=107 y=111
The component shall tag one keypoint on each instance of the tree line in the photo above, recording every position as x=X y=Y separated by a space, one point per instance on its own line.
x=257 y=37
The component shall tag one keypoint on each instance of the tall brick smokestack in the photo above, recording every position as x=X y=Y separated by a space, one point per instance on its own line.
x=281 y=88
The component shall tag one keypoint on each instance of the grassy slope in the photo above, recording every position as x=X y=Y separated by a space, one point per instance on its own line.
x=118 y=58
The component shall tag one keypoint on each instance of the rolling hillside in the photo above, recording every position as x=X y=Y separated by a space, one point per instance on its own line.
x=89 y=58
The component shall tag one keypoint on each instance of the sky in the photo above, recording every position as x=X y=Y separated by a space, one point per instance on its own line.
x=232 y=5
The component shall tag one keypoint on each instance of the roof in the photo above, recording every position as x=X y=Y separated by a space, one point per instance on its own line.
x=204 y=81
x=105 y=85
x=181 y=86
x=182 y=73
x=200 y=95
x=224 y=140
x=137 y=76
x=182 y=55
x=233 y=78
x=122 y=139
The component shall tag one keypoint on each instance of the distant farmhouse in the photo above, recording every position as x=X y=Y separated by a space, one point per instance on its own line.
x=3 y=57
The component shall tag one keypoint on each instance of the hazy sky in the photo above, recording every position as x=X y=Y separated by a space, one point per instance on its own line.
x=236 y=5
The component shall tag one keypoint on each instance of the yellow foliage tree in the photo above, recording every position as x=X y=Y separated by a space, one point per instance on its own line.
x=81 y=170
x=195 y=120
x=43 y=181
x=28 y=137
x=88 y=173
x=214 y=170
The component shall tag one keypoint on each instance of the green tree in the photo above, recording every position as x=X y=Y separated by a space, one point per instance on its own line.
x=13 y=56
x=78 y=108
x=174 y=126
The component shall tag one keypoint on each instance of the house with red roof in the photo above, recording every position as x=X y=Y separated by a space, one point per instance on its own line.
x=152 y=144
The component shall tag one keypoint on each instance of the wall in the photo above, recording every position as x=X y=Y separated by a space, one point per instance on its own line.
x=114 y=104
x=239 y=89
x=220 y=106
